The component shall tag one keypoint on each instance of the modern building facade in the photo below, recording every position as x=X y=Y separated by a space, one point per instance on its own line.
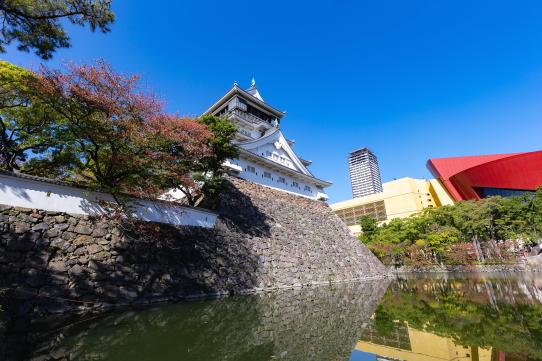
x=399 y=199
x=265 y=155
x=364 y=173
x=476 y=177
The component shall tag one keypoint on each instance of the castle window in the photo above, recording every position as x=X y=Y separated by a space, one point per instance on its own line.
x=251 y=169
x=266 y=175
x=308 y=189
x=295 y=184
x=281 y=180
x=258 y=113
x=268 y=153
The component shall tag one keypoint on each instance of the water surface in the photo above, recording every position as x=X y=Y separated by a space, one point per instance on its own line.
x=485 y=317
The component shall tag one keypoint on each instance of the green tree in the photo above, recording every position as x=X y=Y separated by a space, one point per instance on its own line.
x=534 y=212
x=369 y=226
x=475 y=228
x=210 y=174
x=27 y=127
x=38 y=24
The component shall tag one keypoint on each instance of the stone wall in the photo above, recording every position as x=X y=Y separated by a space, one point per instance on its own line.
x=264 y=239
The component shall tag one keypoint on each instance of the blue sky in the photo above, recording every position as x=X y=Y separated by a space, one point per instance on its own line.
x=411 y=80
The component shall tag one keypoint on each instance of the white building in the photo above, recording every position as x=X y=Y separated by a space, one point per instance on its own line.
x=265 y=155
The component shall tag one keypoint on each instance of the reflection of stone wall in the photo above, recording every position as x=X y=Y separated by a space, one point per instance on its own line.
x=316 y=324
x=264 y=239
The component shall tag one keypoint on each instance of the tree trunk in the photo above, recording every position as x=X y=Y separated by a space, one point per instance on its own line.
x=477 y=248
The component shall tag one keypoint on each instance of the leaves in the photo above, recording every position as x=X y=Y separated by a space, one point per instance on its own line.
x=93 y=126
x=26 y=126
x=38 y=25
x=444 y=234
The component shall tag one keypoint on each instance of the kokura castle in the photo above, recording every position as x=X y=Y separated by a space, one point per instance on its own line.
x=265 y=155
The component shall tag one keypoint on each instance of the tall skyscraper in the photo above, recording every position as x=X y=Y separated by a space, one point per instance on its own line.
x=364 y=173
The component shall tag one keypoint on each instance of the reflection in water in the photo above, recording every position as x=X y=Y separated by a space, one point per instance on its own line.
x=496 y=318
x=479 y=319
x=309 y=324
x=409 y=344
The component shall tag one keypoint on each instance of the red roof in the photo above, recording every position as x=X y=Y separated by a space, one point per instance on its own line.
x=462 y=175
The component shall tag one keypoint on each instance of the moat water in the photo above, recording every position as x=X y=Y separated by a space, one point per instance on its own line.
x=477 y=317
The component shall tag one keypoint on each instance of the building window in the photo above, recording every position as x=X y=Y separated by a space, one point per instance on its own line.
x=275 y=156
x=251 y=169
x=281 y=180
x=268 y=153
x=484 y=192
x=351 y=216
x=266 y=175
x=295 y=184
x=308 y=189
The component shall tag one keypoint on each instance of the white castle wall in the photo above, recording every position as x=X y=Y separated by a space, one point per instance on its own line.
x=257 y=177
x=31 y=192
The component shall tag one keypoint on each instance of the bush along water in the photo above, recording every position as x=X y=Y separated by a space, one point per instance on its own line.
x=493 y=230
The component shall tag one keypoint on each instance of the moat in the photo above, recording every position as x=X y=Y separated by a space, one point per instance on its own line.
x=448 y=317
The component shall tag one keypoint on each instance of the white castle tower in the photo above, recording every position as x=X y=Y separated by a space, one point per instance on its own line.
x=265 y=155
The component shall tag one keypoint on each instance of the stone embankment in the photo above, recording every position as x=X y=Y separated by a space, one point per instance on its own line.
x=264 y=239
x=513 y=267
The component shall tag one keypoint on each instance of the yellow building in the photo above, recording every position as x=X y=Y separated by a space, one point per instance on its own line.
x=400 y=198
x=422 y=346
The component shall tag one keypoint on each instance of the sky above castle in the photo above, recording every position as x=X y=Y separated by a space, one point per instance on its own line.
x=410 y=80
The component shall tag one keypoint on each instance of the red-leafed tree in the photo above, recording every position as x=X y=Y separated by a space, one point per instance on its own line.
x=113 y=136
x=176 y=149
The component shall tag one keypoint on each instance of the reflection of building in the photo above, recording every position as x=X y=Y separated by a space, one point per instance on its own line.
x=400 y=198
x=415 y=345
x=265 y=155
x=364 y=173
x=477 y=177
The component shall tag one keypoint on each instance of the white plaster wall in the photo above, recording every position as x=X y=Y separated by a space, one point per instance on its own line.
x=35 y=194
x=262 y=151
x=257 y=177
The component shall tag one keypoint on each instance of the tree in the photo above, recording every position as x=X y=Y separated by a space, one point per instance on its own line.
x=37 y=24
x=483 y=228
x=534 y=211
x=211 y=170
x=26 y=126
x=207 y=178
x=115 y=137
x=369 y=227
x=177 y=148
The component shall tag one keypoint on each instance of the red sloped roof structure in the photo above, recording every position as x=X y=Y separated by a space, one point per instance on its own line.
x=461 y=176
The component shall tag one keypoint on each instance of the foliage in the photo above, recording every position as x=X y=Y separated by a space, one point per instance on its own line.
x=208 y=174
x=456 y=234
x=104 y=132
x=178 y=150
x=211 y=170
x=114 y=136
x=98 y=128
x=38 y=24
x=190 y=159
x=369 y=226
x=101 y=114
x=26 y=126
